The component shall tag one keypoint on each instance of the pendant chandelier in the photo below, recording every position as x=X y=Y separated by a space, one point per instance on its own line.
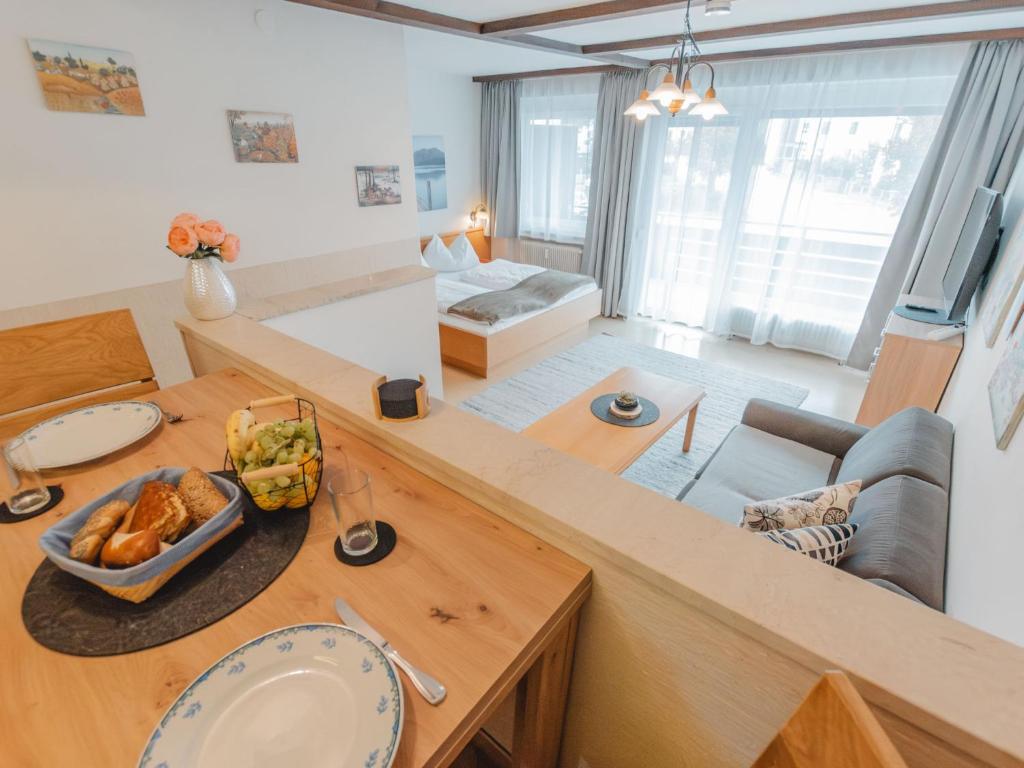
x=676 y=92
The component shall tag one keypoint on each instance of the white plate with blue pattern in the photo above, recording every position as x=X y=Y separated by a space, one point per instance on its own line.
x=88 y=433
x=312 y=695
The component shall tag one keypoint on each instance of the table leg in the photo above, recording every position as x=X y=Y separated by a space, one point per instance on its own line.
x=691 y=419
x=540 y=703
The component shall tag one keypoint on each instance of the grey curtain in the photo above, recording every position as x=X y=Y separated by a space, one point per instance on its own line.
x=614 y=176
x=978 y=144
x=499 y=155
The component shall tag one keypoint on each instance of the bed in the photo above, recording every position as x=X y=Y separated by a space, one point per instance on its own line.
x=479 y=348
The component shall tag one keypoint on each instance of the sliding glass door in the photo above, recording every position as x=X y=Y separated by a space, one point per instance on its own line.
x=772 y=223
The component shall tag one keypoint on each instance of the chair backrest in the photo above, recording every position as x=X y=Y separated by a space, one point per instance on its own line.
x=832 y=727
x=79 y=361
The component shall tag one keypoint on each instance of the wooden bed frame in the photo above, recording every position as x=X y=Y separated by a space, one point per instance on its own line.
x=481 y=354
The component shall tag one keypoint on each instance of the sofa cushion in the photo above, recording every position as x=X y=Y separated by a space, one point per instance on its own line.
x=901 y=537
x=913 y=442
x=830 y=505
x=751 y=465
x=825 y=543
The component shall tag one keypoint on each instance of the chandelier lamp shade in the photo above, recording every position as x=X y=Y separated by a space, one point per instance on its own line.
x=676 y=93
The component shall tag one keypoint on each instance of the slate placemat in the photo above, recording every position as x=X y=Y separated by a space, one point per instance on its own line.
x=72 y=616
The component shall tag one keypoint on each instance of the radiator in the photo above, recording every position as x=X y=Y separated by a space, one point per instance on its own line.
x=566 y=258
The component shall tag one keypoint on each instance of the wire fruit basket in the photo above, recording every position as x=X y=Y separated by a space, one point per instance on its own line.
x=282 y=464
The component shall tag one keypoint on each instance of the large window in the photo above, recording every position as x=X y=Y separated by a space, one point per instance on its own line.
x=772 y=222
x=556 y=140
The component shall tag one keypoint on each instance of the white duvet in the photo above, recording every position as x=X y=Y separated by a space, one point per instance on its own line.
x=497 y=275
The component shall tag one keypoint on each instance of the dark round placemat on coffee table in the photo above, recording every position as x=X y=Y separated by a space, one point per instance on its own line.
x=649 y=415
x=73 y=616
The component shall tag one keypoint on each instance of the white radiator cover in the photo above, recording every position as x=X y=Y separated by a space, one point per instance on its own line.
x=541 y=253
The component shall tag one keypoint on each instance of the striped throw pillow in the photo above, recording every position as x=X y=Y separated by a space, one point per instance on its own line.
x=827 y=543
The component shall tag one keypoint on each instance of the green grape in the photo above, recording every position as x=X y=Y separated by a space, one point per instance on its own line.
x=287 y=431
x=295 y=458
x=283 y=481
x=299 y=445
x=282 y=457
x=251 y=457
x=263 y=486
x=266 y=441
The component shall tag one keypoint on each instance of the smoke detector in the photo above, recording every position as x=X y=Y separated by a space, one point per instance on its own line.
x=717 y=7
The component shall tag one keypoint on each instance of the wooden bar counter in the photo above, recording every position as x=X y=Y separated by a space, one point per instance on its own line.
x=479 y=603
x=699 y=640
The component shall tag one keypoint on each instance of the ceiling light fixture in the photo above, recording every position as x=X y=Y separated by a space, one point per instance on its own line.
x=676 y=92
x=717 y=7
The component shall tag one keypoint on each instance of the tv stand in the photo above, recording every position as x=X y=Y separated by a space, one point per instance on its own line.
x=922 y=314
x=910 y=368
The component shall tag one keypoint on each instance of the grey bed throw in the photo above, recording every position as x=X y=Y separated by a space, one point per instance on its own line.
x=536 y=292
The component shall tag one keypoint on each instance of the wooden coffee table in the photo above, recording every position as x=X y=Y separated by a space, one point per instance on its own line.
x=574 y=429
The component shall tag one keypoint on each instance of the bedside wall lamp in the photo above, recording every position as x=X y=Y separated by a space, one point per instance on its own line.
x=478 y=216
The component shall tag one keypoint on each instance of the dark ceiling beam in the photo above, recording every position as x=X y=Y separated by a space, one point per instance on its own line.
x=1012 y=33
x=860 y=18
x=400 y=14
x=547 y=73
x=414 y=17
x=582 y=14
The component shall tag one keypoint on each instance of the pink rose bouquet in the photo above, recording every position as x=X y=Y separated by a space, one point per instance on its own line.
x=192 y=238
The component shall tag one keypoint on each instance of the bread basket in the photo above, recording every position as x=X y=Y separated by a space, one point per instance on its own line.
x=141 y=582
x=305 y=474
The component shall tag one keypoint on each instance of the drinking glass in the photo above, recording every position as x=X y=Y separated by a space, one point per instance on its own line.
x=352 y=501
x=21 y=484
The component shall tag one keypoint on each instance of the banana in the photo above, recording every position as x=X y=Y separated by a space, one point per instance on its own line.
x=239 y=434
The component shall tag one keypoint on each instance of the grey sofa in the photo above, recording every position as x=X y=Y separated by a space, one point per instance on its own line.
x=904 y=464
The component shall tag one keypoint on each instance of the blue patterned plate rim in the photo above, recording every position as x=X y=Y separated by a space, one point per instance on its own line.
x=29 y=435
x=374 y=760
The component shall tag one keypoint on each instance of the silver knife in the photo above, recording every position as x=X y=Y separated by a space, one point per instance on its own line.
x=431 y=689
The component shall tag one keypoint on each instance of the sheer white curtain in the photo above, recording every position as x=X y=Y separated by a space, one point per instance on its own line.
x=771 y=223
x=556 y=128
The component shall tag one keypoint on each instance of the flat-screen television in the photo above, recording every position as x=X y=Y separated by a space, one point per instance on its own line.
x=972 y=255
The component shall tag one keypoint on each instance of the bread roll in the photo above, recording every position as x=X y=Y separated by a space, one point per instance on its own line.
x=87 y=542
x=159 y=509
x=123 y=550
x=201 y=497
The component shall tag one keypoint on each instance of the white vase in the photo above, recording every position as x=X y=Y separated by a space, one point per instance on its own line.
x=209 y=295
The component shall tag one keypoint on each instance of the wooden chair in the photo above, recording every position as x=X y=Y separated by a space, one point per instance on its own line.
x=832 y=727
x=52 y=368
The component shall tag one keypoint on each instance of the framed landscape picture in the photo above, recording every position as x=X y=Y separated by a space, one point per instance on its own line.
x=429 y=164
x=262 y=137
x=378 y=185
x=80 y=78
x=1006 y=390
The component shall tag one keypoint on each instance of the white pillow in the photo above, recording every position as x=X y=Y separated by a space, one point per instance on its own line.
x=439 y=257
x=463 y=253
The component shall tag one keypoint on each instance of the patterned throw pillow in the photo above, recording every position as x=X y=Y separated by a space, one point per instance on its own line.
x=827 y=543
x=830 y=505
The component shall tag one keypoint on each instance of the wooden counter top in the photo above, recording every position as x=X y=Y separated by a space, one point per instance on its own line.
x=700 y=639
x=266 y=307
x=474 y=600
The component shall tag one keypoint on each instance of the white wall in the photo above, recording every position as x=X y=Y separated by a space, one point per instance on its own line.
x=395 y=331
x=984 y=567
x=85 y=198
x=447 y=104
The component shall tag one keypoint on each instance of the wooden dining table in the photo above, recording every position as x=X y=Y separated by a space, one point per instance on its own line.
x=480 y=604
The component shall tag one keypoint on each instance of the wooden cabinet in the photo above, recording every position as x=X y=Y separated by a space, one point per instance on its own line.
x=910 y=369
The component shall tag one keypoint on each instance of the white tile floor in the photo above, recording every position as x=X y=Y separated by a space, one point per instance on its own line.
x=835 y=389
